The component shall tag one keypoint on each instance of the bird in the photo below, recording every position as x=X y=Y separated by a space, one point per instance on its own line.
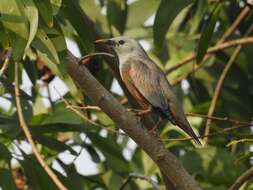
x=147 y=83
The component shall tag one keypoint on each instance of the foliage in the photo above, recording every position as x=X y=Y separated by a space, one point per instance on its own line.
x=38 y=30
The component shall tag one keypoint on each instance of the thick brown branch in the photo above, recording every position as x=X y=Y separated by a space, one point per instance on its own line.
x=28 y=135
x=242 y=179
x=130 y=124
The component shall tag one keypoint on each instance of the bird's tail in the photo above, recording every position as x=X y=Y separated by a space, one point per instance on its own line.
x=189 y=131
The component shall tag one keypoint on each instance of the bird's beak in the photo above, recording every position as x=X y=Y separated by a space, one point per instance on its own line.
x=106 y=41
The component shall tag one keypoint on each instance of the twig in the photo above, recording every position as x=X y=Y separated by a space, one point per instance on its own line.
x=242 y=179
x=28 y=135
x=95 y=54
x=6 y=62
x=230 y=30
x=225 y=119
x=224 y=131
x=96 y=108
x=80 y=114
x=214 y=49
x=138 y=176
x=220 y=84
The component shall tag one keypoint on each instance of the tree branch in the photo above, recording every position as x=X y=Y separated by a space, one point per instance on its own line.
x=220 y=84
x=129 y=123
x=214 y=49
x=142 y=177
x=242 y=179
x=6 y=62
x=28 y=135
x=230 y=30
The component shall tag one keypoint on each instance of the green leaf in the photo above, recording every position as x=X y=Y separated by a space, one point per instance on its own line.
x=235 y=142
x=54 y=144
x=56 y=5
x=46 y=11
x=16 y=25
x=93 y=153
x=31 y=12
x=215 y=165
x=207 y=34
x=46 y=51
x=117 y=14
x=62 y=115
x=73 y=12
x=137 y=8
x=5 y=153
x=111 y=151
x=36 y=175
x=166 y=13
x=7 y=181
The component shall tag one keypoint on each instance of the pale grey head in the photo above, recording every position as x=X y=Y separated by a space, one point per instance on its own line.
x=124 y=47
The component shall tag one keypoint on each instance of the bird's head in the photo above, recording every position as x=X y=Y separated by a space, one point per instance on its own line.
x=123 y=46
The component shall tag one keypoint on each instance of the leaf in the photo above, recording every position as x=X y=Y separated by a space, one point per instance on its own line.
x=31 y=12
x=56 y=5
x=93 y=153
x=111 y=151
x=6 y=179
x=46 y=11
x=137 y=8
x=216 y=165
x=46 y=51
x=16 y=25
x=75 y=15
x=62 y=115
x=166 y=13
x=36 y=175
x=53 y=144
x=235 y=142
x=5 y=153
x=206 y=35
x=117 y=14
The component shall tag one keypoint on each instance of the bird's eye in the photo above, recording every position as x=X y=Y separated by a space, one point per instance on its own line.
x=121 y=42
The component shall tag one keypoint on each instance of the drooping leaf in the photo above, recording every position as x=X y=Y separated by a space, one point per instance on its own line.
x=207 y=34
x=137 y=8
x=32 y=15
x=6 y=180
x=111 y=151
x=16 y=24
x=117 y=14
x=75 y=15
x=46 y=11
x=166 y=13
x=37 y=178
x=54 y=144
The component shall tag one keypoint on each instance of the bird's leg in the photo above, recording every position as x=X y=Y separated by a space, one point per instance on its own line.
x=141 y=112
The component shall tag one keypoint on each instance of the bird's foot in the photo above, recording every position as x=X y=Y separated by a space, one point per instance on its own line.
x=140 y=112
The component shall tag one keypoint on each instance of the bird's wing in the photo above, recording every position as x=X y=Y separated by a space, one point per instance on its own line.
x=146 y=81
x=155 y=88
